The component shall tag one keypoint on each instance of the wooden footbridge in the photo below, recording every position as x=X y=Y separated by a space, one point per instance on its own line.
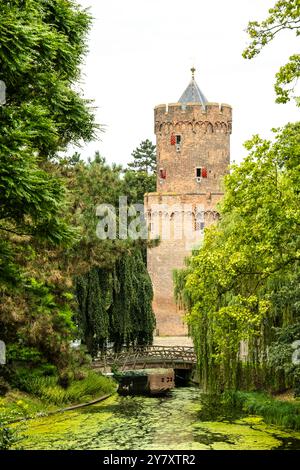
x=148 y=357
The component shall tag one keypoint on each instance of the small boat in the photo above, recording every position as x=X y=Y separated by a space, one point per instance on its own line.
x=146 y=381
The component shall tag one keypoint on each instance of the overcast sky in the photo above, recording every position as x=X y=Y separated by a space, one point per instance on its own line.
x=140 y=55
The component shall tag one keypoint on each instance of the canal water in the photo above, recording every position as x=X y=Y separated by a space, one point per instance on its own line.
x=175 y=422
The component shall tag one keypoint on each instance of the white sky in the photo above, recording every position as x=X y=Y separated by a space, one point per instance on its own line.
x=141 y=52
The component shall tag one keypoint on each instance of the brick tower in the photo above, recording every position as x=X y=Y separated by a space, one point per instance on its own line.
x=193 y=155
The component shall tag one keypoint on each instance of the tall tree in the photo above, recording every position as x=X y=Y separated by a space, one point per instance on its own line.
x=113 y=289
x=144 y=157
x=285 y=15
x=42 y=44
x=140 y=176
x=236 y=284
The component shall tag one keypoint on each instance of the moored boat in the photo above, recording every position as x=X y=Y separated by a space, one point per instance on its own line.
x=146 y=381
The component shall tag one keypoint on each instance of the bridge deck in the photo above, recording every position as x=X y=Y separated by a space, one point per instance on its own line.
x=176 y=357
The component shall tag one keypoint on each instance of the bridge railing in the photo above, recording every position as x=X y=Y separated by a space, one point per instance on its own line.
x=148 y=354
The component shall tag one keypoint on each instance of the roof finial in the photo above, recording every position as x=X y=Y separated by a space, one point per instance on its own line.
x=193 y=70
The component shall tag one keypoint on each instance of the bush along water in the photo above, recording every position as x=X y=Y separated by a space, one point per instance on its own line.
x=274 y=411
x=66 y=389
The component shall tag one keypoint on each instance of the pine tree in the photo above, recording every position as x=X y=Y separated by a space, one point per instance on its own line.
x=144 y=157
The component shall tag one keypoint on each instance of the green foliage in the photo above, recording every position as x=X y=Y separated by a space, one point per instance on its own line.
x=10 y=437
x=78 y=391
x=281 y=353
x=93 y=291
x=40 y=56
x=48 y=202
x=20 y=353
x=144 y=157
x=91 y=184
x=23 y=372
x=137 y=184
x=132 y=318
x=114 y=291
x=140 y=176
x=285 y=15
x=42 y=47
x=235 y=286
x=4 y=387
x=116 y=305
x=279 y=413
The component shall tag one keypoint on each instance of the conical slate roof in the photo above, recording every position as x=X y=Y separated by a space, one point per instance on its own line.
x=192 y=93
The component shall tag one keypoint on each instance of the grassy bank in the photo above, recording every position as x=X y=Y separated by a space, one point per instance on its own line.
x=78 y=391
x=44 y=394
x=274 y=411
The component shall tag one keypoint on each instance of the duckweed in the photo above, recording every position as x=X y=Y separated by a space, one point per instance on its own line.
x=169 y=423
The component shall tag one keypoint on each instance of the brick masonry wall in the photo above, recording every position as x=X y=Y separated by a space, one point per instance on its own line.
x=205 y=142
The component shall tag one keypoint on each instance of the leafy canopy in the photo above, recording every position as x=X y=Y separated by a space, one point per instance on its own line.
x=42 y=45
x=234 y=285
x=285 y=15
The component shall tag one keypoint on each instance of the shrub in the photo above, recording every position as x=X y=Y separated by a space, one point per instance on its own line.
x=50 y=389
x=4 y=387
x=21 y=376
x=273 y=411
x=20 y=353
x=65 y=378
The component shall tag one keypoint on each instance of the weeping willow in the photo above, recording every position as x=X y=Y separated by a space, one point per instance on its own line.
x=217 y=340
x=115 y=305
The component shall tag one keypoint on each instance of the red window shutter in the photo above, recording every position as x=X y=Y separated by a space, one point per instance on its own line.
x=173 y=139
x=204 y=172
x=162 y=174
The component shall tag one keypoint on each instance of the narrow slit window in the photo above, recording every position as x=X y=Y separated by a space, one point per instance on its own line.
x=162 y=173
x=178 y=139
x=199 y=222
x=198 y=172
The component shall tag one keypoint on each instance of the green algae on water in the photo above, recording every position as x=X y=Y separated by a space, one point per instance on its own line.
x=153 y=423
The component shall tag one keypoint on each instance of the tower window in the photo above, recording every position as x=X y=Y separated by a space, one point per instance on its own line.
x=178 y=142
x=201 y=172
x=199 y=222
x=162 y=173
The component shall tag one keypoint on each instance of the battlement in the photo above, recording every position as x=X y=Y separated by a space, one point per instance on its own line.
x=180 y=109
x=193 y=115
